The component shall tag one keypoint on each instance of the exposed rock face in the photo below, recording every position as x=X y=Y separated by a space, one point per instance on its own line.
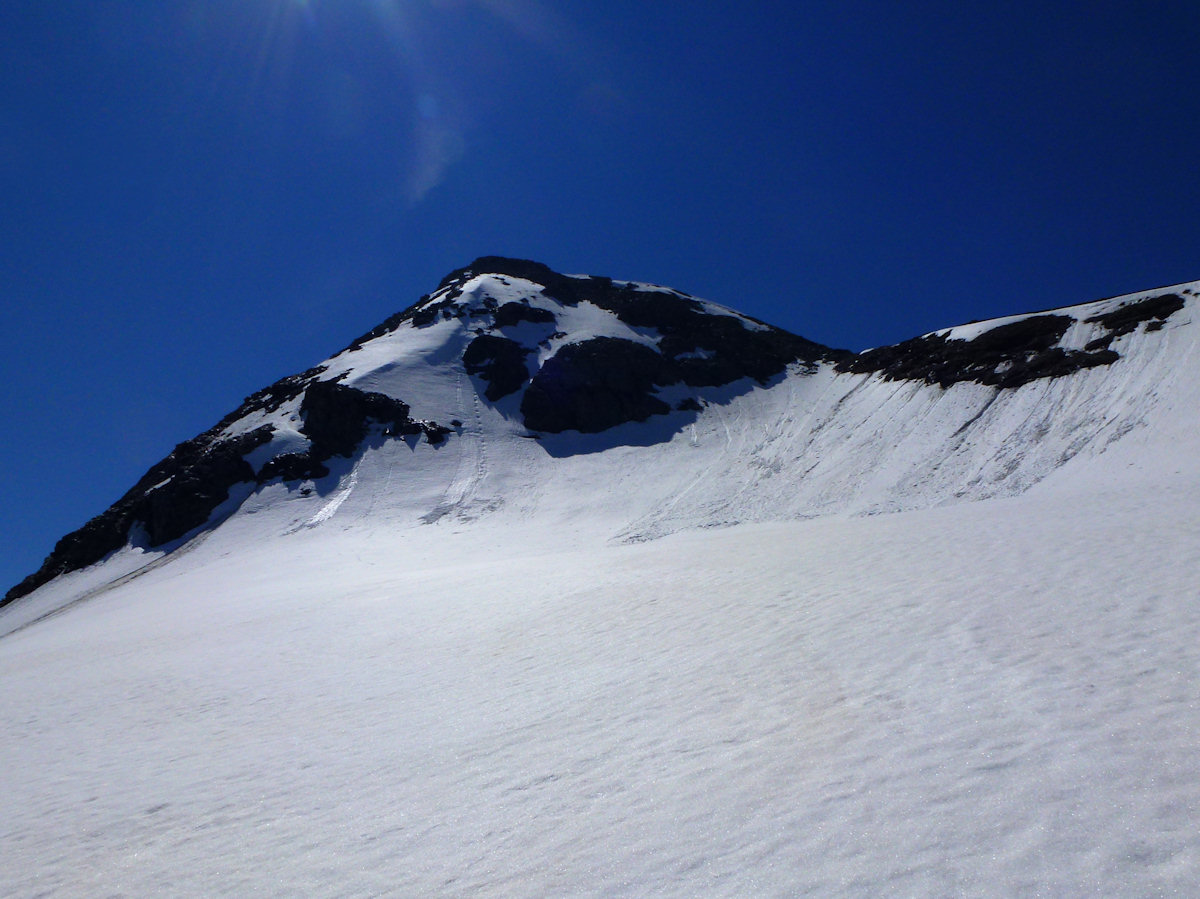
x=603 y=382
x=176 y=495
x=734 y=350
x=499 y=361
x=1125 y=319
x=335 y=420
x=1013 y=354
x=198 y=485
x=173 y=497
x=1007 y=356
x=180 y=493
x=514 y=313
x=595 y=385
x=336 y=417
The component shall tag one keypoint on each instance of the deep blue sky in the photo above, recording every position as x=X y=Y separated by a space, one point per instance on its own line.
x=200 y=196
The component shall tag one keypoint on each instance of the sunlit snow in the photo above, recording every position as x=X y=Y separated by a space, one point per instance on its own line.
x=840 y=635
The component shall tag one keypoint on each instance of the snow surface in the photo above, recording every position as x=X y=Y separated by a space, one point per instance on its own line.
x=708 y=666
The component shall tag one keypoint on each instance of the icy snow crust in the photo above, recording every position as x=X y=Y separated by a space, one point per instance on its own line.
x=601 y=664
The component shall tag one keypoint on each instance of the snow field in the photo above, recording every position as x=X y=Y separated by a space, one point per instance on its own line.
x=990 y=699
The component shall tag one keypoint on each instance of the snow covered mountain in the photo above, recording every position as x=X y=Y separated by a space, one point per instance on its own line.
x=757 y=423
x=557 y=584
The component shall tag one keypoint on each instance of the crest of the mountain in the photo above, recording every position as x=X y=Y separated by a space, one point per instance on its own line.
x=574 y=363
x=556 y=352
x=589 y=353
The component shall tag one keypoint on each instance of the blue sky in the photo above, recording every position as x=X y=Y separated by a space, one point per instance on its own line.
x=201 y=196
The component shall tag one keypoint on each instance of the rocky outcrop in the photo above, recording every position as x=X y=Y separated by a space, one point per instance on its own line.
x=1154 y=311
x=181 y=493
x=174 y=497
x=270 y=398
x=1007 y=356
x=499 y=361
x=596 y=385
x=1012 y=354
x=603 y=382
x=511 y=314
x=336 y=417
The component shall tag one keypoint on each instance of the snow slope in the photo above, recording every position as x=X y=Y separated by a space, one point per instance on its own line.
x=672 y=658
x=983 y=699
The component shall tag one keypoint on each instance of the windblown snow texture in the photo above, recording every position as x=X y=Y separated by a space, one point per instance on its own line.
x=556 y=354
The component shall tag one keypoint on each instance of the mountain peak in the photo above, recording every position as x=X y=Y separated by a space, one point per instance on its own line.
x=508 y=350
x=527 y=269
x=553 y=352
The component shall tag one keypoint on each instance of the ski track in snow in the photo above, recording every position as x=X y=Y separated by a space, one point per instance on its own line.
x=472 y=467
x=328 y=510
